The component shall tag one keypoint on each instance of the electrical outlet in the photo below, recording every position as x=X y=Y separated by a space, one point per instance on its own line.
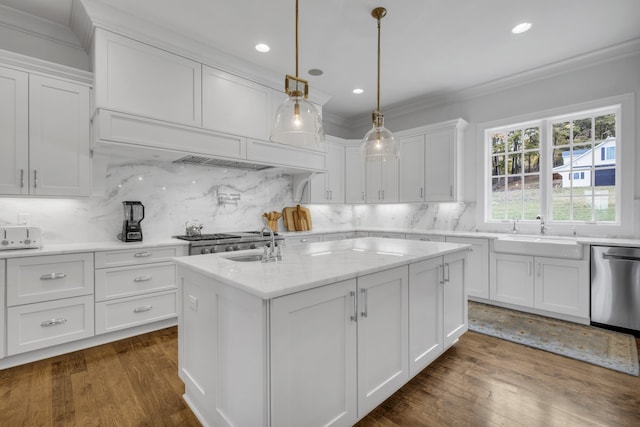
x=193 y=303
x=24 y=219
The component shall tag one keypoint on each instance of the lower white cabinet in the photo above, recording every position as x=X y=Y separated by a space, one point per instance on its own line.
x=125 y=313
x=44 y=324
x=2 y=309
x=425 y=237
x=559 y=286
x=477 y=282
x=386 y=235
x=437 y=307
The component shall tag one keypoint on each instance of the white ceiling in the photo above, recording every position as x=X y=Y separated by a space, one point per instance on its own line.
x=429 y=47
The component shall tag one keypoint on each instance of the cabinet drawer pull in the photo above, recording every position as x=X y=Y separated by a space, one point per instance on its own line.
x=304 y=240
x=53 y=276
x=142 y=254
x=142 y=279
x=142 y=309
x=365 y=310
x=354 y=316
x=53 y=322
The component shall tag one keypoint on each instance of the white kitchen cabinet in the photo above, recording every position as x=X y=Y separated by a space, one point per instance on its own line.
x=437 y=307
x=45 y=135
x=136 y=78
x=14 y=131
x=234 y=105
x=555 y=285
x=562 y=286
x=382 y=181
x=386 y=235
x=430 y=168
x=383 y=340
x=477 y=282
x=412 y=168
x=328 y=187
x=425 y=237
x=512 y=279
x=313 y=341
x=135 y=287
x=354 y=176
x=2 y=309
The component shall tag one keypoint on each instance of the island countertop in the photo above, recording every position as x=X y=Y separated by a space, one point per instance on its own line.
x=314 y=265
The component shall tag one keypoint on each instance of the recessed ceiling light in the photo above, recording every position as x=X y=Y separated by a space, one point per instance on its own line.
x=358 y=91
x=262 y=48
x=521 y=28
x=315 y=72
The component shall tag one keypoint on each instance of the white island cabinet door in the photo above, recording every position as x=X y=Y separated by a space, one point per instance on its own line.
x=383 y=336
x=425 y=313
x=2 y=308
x=313 y=341
x=455 y=297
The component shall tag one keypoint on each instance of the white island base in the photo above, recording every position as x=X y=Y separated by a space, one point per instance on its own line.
x=320 y=338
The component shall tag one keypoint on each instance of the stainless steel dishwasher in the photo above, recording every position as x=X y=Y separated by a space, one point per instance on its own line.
x=615 y=287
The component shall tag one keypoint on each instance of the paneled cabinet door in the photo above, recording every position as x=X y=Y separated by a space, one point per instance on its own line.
x=477 y=282
x=454 y=295
x=133 y=77
x=382 y=181
x=441 y=165
x=383 y=341
x=14 y=131
x=329 y=187
x=58 y=137
x=412 y=169
x=313 y=341
x=354 y=174
x=511 y=279
x=562 y=286
x=234 y=105
x=425 y=314
x=2 y=309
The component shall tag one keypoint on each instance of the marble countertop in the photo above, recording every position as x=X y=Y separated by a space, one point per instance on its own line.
x=314 y=265
x=70 y=248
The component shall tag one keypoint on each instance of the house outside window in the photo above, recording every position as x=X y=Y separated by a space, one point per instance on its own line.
x=562 y=167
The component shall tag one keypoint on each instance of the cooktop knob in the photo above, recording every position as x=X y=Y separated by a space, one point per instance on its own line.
x=254 y=246
x=228 y=248
x=205 y=251
x=5 y=242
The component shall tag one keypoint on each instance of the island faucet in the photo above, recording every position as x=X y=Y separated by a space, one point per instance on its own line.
x=270 y=254
x=542 y=228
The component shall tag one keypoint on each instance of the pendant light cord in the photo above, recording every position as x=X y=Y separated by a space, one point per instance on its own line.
x=296 y=40
x=378 y=109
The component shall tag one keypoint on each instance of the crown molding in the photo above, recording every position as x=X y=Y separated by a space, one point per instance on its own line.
x=40 y=66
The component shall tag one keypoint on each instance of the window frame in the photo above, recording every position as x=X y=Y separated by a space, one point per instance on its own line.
x=625 y=175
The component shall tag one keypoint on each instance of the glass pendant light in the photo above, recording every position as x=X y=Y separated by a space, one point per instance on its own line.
x=379 y=143
x=297 y=122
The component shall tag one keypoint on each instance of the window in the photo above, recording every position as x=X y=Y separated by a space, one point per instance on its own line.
x=562 y=167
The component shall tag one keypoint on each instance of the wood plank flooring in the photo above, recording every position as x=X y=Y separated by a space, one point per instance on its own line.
x=481 y=381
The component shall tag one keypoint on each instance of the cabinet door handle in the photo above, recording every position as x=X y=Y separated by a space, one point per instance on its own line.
x=448 y=272
x=21 y=178
x=365 y=310
x=354 y=316
x=142 y=254
x=382 y=194
x=142 y=309
x=53 y=322
x=142 y=279
x=441 y=273
x=53 y=276
x=422 y=192
x=35 y=178
x=363 y=195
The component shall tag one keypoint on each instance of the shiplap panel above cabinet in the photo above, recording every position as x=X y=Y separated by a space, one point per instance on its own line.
x=136 y=78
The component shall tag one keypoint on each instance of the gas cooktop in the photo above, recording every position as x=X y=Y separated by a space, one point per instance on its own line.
x=215 y=236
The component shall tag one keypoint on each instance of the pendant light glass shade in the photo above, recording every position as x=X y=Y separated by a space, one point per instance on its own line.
x=297 y=121
x=379 y=144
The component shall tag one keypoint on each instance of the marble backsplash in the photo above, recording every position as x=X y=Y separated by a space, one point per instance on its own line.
x=173 y=194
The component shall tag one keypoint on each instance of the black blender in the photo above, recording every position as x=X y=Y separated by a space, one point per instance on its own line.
x=133 y=214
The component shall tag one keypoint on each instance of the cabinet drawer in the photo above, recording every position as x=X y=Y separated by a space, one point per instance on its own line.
x=129 y=281
x=293 y=241
x=137 y=256
x=128 y=312
x=34 y=326
x=45 y=278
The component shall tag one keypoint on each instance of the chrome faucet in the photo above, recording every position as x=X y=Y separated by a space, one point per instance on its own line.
x=542 y=228
x=270 y=253
x=515 y=223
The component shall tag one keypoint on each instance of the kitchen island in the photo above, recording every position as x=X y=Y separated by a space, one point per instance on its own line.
x=319 y=338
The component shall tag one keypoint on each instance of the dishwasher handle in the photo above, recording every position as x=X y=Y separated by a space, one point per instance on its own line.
x=621 y=257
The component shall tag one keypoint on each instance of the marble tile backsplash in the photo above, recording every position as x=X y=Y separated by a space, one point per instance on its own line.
x=173 y=194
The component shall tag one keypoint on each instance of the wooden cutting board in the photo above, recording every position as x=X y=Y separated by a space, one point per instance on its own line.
x=304 y=217
x=287 y=218
x=297 y=218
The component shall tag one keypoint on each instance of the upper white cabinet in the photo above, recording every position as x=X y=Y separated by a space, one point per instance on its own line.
x=44 y=124
x=354 y=179
x=430 y=162
x=329 y=187
x=234 y=105
x=382 y=181
x=136 y=78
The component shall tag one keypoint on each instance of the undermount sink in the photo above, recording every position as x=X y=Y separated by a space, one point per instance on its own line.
x=549 y=246
x=245 y=258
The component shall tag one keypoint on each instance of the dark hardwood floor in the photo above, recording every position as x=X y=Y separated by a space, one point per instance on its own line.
x=481 y=381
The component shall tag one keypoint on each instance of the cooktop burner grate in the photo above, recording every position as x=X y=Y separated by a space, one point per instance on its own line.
x=216 y=236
